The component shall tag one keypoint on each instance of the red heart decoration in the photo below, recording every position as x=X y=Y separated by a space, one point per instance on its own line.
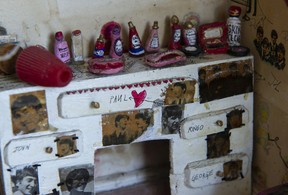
x=138 y=97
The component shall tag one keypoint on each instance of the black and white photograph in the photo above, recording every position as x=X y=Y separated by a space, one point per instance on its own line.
x=77 y=180
x=25 y=181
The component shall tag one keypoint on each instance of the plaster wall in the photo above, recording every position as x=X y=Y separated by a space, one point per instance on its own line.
x=270 y=137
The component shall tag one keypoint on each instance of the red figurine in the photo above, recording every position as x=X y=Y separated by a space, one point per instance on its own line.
x=135 y=45
x=99 y=47
x=175 y=40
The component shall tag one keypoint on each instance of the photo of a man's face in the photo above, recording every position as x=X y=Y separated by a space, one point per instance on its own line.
x=66 y=145
x=125 y=127
x=25 y=181
x=77 y=180
x=29 y=113
x=171 y=119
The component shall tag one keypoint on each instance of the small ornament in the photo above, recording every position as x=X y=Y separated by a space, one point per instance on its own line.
x=61 y=49
x=190 y=47
x=135 y=45
x=189 y=34
x=77 y=47
x=106 y=32
x=99 y=47
x=175 y=40
x=164 y=58
x=213 y=37
x=106 y=65
x=234 y=26
x=152 y=43
x=116 y=49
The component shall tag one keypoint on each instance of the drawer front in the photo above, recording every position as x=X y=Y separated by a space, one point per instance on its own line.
x=47 y=147
x=213 y=122
x=122 y=98
x=225 y=80
x=229 y=168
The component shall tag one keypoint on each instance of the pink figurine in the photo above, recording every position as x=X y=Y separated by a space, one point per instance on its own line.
x=152 y=43
x=175 y=40
x=116 y=49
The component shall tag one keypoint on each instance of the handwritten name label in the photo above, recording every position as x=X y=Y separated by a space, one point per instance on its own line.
x=202 y=176
x=196 y=176
x=119 y=98
x=21 y=148
x=195 y=128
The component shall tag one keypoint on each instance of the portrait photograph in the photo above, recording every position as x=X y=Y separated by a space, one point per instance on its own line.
x=77 y=180
x=180 y=93
x=29 y=112
x=25 y=181
x=172 y=117
x=125 y=127
x=66 y=145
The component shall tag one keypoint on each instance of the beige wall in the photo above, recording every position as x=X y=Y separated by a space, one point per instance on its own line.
x=271 y=97
x=35 y=22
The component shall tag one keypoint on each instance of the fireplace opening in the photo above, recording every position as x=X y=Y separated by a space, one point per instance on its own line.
x=138 y=168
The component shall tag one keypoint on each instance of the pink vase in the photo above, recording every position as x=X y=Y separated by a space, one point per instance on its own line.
x=37 y=66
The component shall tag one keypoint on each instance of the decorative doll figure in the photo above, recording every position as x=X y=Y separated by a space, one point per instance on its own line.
x=116 y=49
x=135 y=45
x=99 y=47
x=234 y=26
x=175 y=41
x=152 y=43
x=189 y=34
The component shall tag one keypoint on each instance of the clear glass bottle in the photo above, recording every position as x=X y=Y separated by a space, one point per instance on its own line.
x=77 y=47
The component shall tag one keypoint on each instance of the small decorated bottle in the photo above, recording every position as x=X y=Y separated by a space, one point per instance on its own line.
x=189 y=34
x=99 y=47
x=175 y=39
x=135 y=45
x=234 y=26
x=152 y=44
x=77 y=47
x=116 y=49
x=61 y=49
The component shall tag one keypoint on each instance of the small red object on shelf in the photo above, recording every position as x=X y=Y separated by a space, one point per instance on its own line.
x=37 y=66
x=175 y=39
x=135 y=44
x=106 y=65
x=213 y=38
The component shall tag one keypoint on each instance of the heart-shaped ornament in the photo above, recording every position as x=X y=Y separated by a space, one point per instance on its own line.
x=138 y=97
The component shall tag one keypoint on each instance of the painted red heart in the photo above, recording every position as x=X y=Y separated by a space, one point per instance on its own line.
x=138 y=97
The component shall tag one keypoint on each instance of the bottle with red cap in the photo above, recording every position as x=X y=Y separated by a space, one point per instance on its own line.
x=135 y=44
x=99 y=47
x=234 y=26
x=152 y=44
x=175 y=39
x=61 y=49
